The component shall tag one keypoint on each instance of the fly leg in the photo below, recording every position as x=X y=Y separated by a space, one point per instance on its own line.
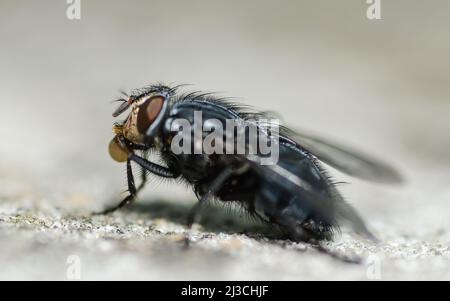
x=299 y=234
x=131 y=189
x=213 y=188
x=146 y=166
x=155 y=168
x=336 y=255
x=143 y=179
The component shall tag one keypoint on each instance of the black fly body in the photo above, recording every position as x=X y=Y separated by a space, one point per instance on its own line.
x=292 y=192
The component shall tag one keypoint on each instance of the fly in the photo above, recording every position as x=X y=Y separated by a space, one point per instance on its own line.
x=293 y=192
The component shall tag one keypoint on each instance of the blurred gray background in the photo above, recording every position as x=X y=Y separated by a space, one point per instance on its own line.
x=382 y=86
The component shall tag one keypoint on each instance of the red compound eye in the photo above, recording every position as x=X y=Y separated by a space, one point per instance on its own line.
x=148 y=112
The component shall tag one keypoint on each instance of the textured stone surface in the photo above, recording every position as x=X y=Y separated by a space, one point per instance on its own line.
x=147 y=241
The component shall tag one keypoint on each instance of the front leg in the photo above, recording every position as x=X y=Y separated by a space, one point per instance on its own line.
x=131 y=190
x=155 y=168
x=146 y=166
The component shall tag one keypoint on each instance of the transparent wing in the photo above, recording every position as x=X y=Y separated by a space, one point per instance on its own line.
x=347 y=160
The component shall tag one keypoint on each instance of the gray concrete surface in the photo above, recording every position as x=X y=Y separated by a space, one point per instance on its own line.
x=380 y=86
